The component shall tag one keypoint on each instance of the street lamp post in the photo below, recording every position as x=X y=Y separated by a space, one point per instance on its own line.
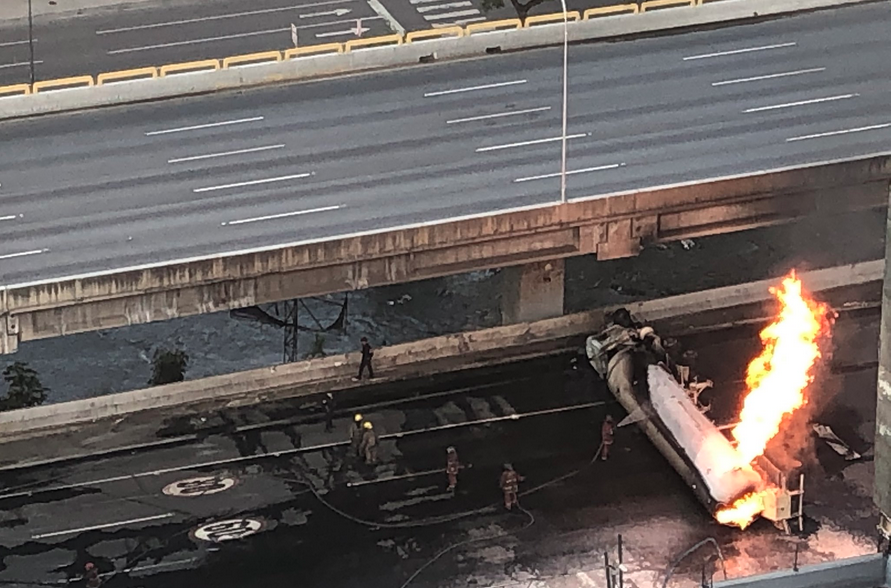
x=31 y=40
x=565 y=101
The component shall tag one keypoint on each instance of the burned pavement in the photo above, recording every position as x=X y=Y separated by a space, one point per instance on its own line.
x=286 y=503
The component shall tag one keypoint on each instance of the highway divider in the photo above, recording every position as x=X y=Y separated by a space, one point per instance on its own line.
x=677 y=315
x=388 y=51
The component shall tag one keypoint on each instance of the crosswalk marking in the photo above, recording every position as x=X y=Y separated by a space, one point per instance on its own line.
x=423 y=9
x=458 y=14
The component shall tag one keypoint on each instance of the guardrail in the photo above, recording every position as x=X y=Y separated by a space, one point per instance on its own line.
x=456 y=32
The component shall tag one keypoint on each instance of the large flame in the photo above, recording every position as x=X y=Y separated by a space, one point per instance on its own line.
x=776 y=381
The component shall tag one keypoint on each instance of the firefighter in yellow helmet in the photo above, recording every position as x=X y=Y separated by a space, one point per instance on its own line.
x=356 y=434
x=368 y=446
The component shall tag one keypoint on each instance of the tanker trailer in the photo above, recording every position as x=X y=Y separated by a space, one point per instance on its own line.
x=640 y=375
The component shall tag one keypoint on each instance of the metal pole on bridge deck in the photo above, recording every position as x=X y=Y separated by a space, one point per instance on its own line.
x=565 y=102
x=31 y=41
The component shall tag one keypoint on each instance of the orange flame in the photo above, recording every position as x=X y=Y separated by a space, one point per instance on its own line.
x=776 y=381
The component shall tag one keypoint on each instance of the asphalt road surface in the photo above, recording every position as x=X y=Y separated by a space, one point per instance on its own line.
x=286 y=504
x=154 y=33
x=115 y=188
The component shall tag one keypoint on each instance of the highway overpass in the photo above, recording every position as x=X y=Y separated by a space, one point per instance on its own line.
x=143 y=213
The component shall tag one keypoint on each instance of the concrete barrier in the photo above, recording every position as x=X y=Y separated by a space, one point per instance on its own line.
x=858 y=572
x=450 y=352
x=476 y=43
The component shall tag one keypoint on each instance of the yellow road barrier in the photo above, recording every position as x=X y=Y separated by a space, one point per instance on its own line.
x=252 y=58
x=394 y=39
x=314 y=50
x=657 y=4
x=126 y=74
x=494 y=25
x=454 y=32
x=611 y=10
x=554 y=18
x=189 y=66
x=63 y=83
x=15 y=90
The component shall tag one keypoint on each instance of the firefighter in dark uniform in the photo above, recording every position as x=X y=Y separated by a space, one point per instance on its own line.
x=368 y=446
x=367 y=354
x=91 y=576
x=328 y=405
x=452 y=467
x=607 y=432
x=510 y=485
x=356 y=435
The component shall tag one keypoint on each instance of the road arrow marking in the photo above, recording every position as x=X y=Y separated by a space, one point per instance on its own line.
x=357 y=31
x=338 y=12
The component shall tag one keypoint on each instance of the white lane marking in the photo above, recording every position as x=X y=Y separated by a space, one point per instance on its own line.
x=382 y=12
x=20 y=64
x=252 y=183
x=225 y=153
x=738 y=51
x=474 y=88
x=497 y=115
x=281 y=215
x=217 y=17
x=10 y=217
x=462 y=21
x=23 y=253
x=458 y=14
x=526 y=143
x=841 y=132
x=103 y=526
x=237 y=121
x=404 y=227
x=423 y=9
x=197 y=41
x=25 y=42
x=335 y=12
x=800 y=103
x=770 y=76
x=569 y=173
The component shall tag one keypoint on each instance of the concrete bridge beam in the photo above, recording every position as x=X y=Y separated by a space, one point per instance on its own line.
x=532 y=292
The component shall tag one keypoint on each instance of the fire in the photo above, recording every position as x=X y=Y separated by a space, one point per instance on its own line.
x=776 y=381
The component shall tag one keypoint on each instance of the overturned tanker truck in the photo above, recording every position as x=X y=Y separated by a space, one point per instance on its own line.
x=657 y=395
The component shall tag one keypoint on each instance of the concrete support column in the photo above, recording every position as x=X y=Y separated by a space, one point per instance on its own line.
x=9 y=327
x=882 y=491
x=532 y=292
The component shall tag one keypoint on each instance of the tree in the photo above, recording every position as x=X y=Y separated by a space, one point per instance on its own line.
x=23 y=387
x=168 y=366
x=522 y=8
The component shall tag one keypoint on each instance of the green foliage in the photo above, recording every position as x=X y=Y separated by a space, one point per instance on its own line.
x=522 y=8
x=168 y=366
x=23 y=387
x=318 y=347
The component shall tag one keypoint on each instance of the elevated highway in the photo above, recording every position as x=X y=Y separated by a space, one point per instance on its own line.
x=145 y=213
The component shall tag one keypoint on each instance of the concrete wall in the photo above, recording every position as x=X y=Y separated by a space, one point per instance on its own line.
x=882 y=490
x=476 y=45
x=609 y=227
x=859 y=572
x=532 y=292
x=676 y=314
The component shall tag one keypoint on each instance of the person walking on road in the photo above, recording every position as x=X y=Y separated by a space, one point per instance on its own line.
x=328 y=405
x=452 y=467
x=91 y=576
x=510 y=485
x=356 y=435
x=367 y=354
x=368 y=446
x=607 y=432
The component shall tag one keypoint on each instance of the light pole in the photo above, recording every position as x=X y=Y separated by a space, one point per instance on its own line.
x=31 y=40
x=565 y=101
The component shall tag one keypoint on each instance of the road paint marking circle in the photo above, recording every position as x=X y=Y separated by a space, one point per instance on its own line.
x=199 y=486
x=228 y=530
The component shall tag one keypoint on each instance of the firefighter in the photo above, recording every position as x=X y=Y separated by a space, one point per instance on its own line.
x=452 y=467
x=356 y=435
x=368 y=446
x=367 y=354
x=607 y=432
x=510 y=485
x=328 y=405
x=91 y=576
